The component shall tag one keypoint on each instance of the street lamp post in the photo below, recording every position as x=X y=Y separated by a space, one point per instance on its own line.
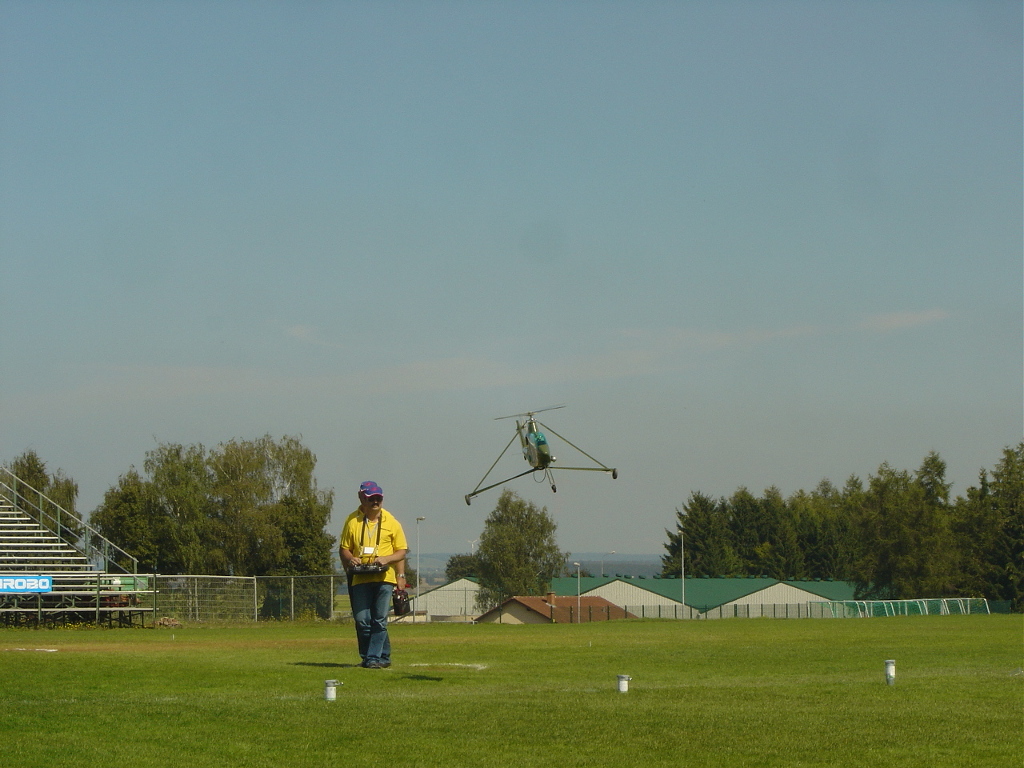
x=602 y=561
x=682 y=564
x=418 y=576
x=577 y=592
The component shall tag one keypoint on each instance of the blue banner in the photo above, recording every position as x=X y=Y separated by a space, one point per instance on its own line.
x=26 y=584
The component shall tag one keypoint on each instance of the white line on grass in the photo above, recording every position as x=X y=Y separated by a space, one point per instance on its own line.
x=478 y=667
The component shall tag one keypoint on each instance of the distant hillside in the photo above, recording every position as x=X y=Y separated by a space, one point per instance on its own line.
x=433 y=564
x=621 y=565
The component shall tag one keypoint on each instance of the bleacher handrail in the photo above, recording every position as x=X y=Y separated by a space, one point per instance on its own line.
x=97 y=548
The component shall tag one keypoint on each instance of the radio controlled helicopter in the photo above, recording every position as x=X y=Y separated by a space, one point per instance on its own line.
x=537 y=452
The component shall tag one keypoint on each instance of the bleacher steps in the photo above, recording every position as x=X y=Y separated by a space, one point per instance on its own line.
x=79 y=588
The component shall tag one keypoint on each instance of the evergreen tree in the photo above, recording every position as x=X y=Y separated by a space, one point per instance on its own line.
x=778 y=554
x=899 y=537
x=931 y=476
x=820 y=536
x=978 y=527
x=703 y=526
x=909 y=548
x=1007 y=495
x=747 y=531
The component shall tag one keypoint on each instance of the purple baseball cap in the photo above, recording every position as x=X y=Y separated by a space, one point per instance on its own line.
x=370 y=488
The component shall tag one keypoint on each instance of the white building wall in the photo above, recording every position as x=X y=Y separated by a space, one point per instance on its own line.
x=455 y=599
x=771 y=601
x=515 y=613
x=777 y=594
x=622 y=594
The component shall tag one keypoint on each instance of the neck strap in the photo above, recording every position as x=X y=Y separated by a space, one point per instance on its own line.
x=362 y=536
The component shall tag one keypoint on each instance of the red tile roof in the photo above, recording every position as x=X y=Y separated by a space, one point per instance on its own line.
x=563 y=610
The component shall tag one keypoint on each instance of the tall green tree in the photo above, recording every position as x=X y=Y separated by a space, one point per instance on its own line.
x=181 y=483
x=910 y=551
x=900 y=536
x=270 y=516
x=824 y=532
x=778 y=555
x=30 y=469
x=518 y=553
x=460 y=566
x=131 y=517
x=55 y=493
x=248 y=507
x=1007 y=498
x=702 y=525
x=931 y=476
x=748 y=529
x=808 y=512
x=978 y=527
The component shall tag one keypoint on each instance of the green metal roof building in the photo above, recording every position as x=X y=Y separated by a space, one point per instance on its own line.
x=726 y=596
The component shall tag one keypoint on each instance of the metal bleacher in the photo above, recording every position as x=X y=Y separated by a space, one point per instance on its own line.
x=56 y=570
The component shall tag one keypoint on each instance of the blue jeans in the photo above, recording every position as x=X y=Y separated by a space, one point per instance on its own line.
x=370 y=605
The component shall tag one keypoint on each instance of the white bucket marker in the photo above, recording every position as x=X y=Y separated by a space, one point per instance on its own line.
x=331 y=689
x=890 y=671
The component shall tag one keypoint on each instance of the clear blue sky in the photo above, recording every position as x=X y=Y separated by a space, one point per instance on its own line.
x=746 y=243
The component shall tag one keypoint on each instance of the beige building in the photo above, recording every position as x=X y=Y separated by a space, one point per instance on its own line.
x=551 y=609
x=455 y=601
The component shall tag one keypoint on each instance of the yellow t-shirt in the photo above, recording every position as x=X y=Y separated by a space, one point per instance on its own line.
x=361 y=541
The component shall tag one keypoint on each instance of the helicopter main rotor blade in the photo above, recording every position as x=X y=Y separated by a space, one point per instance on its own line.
x=528 y=414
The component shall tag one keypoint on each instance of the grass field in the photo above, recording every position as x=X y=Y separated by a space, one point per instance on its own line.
x=704 y=693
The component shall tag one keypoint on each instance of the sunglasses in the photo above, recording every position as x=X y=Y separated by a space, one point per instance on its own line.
x=377 y=499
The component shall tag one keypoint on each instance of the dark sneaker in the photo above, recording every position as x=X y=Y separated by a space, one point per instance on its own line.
x=384 y=664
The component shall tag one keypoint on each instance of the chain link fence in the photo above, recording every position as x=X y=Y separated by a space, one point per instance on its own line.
x=292 y=598
x=251 y=598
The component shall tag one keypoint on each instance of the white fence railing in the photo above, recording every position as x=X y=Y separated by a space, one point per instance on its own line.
x=946 y=606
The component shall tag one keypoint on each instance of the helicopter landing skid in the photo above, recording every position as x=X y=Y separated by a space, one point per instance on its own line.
x=478 y=491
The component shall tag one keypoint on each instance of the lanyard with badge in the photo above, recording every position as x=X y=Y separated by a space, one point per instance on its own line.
x=370 y=551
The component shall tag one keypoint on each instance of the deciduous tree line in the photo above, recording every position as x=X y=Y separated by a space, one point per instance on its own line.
x=897 y=536
x=245 y=508
x=252 y=507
